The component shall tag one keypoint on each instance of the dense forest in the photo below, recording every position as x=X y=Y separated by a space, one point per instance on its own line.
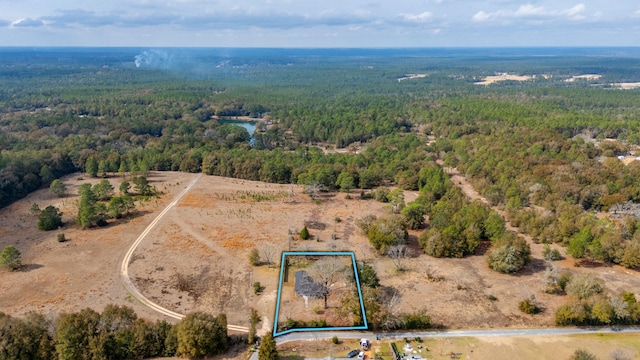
x=545 y=150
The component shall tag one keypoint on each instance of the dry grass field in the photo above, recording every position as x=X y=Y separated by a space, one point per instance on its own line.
x=197 y=257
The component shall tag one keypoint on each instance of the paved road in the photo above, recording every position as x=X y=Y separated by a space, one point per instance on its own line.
x=457 y=333
x=124 y=266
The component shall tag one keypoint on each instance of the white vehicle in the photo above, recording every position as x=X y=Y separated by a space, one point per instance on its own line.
x=365 y=344
x=361 y=355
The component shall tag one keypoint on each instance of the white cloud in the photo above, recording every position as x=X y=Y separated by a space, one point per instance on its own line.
x=530 y=11
x=481 y=16
x=27 y=22
x=575 y=13
x=422 y=17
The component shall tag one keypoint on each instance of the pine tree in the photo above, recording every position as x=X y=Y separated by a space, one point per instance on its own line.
x=58 y=188
x=50 y=218
x=268 y=350
x=87 y=207
x=304 y=233
x=91 y=167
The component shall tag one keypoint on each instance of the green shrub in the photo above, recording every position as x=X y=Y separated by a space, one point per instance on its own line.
x=304 y=233
x=10 y=258
x=583 y=355
x=510 y=254
x=564 y=279
x=529 y=306
x=257 y=287
x=416 y=321
x=50 y=219
x=254 y=257
x=551 y=254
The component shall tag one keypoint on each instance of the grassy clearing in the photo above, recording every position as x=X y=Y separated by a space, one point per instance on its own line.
x=317 y=349
x=481 y=348
x=384 y=351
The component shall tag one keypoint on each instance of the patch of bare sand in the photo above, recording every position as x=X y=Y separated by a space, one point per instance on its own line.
x=488 y=80
x=412 y=76
x=584 y=77
x=627 y=85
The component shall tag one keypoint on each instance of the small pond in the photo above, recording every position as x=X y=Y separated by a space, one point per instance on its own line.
x=250 y=126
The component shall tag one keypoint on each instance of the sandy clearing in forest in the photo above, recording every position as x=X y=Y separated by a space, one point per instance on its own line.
x=584 y=77
x=627 y=86
x=412 y=76
x=488 y=80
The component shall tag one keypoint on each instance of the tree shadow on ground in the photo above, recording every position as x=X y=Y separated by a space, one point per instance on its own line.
x=413 y=247
x=29 y=267
x=535 y=266
x=482 y=248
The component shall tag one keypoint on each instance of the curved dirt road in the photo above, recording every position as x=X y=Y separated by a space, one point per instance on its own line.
x=124 y=266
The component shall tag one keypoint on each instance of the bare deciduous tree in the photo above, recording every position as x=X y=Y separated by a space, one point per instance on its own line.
x=328 y=271
x=269 y=252
x=620 y=308
x=398 y=253
x=389 y=299
x=314 y=189
x=550 y=278
x=619 y=354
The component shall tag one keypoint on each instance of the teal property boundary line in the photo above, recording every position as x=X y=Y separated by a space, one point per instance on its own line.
x=365 y=325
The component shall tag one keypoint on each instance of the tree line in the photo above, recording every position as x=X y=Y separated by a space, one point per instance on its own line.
x=115 y=333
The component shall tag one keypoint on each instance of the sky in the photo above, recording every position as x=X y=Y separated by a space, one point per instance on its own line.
x=320 y=24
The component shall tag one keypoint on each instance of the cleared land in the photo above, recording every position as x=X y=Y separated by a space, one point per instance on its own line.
x=305 y=282
x=82 y=272
x=412 y=76
x=488 y=80
x=627 y=85
x=584 y=77
x=197 y=257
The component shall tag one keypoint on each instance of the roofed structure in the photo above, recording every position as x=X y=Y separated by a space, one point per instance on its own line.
x=305 y=286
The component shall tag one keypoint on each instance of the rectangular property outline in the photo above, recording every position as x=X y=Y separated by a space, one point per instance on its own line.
x=365 y=325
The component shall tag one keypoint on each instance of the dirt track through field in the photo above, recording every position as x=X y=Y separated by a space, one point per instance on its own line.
x=469 y=191
x=124 y=266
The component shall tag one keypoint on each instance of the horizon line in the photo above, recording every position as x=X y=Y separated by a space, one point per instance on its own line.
x=319 y=48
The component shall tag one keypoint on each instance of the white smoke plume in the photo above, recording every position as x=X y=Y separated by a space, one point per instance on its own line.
x=157 y=59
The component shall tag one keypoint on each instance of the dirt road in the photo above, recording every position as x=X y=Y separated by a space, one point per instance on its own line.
x=461 y=181
x=124 y=265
